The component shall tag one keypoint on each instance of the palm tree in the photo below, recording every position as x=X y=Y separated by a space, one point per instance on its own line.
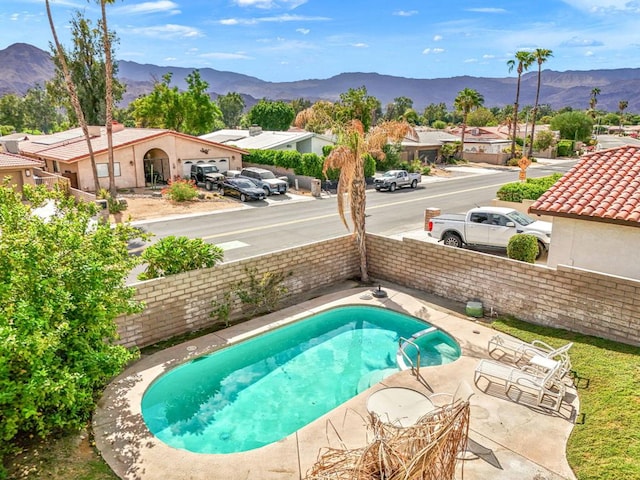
x=622 y=105
x=523 y=60
x=540 y=55
x=466 y=100
x=108 y=66
x=73 y=96
x=593 y=101
x=349 y=155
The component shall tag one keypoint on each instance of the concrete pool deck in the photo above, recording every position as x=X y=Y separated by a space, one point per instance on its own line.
x=509 y=437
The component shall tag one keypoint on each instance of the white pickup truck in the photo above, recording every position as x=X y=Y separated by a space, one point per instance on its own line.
x=397 y=179
x=488 y=227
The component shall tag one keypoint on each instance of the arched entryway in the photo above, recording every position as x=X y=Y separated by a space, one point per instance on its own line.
x=156 y=167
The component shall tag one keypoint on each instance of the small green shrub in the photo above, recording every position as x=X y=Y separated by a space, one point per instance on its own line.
x=565 y=148
x=181 y=190
x=426 y=170
x=172 y=255
x=523 y=247
x=222 y=308
x=262 y=293
x=513 y=162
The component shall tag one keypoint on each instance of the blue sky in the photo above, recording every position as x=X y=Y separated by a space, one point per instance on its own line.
x=285 y=40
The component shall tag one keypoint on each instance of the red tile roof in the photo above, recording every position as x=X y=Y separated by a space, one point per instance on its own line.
x=11 y=161
x=604 y=186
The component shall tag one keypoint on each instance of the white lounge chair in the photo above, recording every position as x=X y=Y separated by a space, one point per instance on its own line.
x=523 y=351
x=528 y=378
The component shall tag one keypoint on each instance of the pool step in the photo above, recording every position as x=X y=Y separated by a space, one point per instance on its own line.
x=400 y=358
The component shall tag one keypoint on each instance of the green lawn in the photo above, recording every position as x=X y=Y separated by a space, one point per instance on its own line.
x=607 y=445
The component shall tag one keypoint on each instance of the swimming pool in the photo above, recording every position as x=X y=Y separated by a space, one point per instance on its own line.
x=259 y=391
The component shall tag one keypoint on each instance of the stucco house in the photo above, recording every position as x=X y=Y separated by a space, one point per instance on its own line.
x=425 y=144
x=142 y=156
x=596 y=213
x=17 y=169
x=257 y=139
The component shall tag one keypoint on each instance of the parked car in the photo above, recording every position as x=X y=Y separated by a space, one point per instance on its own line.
x=265 y=179
x=488 y=227
x=394 y=179
x=242 y=188
x=207 y=174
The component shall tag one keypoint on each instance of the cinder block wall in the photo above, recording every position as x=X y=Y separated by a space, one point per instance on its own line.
x=182 y=303
x=588 y=302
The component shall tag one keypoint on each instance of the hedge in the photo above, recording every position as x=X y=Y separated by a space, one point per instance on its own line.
x=531 y=189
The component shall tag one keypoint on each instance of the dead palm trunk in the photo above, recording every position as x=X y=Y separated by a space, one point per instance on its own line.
x=73 y=96
x=108 y=64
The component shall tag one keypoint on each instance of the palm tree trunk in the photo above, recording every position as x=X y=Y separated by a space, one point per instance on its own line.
x=108 y=64
x=73 y=95
x=464 y=128
x=515 y=117
x=535 y=111
x=358 y=207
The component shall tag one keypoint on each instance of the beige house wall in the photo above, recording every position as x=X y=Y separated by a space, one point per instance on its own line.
x=595 y=246
x=597 y=304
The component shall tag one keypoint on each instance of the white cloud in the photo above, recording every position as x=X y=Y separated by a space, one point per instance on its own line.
x=303 y=31
x=488 y=57
x=168 y=31
x=360 y=45
x=225 y=56
x=274 y=19
x=427 y=51
x=604 y=6
x=589 y=54
x=405 y=13
x=160 y=6
x=268 y=4
x=437 y=38
x=471 y=60
x=582 y=42
x=486 y=10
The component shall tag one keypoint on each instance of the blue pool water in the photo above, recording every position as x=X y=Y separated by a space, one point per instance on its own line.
x=259 y=391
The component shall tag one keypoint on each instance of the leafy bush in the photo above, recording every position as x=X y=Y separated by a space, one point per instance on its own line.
x=531 y=189
x=172 y=255
x=566 y=148
x=63 y=285
x=439 y=125
x=523 y=247
x=369 y=166
x=262 y=293
x=181 y=190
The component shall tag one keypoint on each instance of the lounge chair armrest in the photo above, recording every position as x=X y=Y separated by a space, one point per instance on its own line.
x=441 y=399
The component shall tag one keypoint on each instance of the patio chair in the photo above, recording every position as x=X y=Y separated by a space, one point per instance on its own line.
x=462 y=393
x=523 y=351
x=527 y=378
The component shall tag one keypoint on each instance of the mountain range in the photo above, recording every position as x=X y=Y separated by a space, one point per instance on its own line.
x=24 y=66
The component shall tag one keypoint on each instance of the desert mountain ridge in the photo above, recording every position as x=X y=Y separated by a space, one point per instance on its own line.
x=23 y=66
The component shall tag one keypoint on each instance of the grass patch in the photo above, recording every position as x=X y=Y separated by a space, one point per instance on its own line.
x=607 y=445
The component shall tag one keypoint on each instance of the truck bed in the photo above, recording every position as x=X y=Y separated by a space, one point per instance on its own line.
x=456 y=217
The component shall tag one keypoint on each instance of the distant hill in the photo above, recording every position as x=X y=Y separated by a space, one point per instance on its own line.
x=22 y=66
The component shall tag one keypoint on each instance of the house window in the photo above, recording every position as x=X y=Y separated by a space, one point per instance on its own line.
x=103 y=169
x=56 y=167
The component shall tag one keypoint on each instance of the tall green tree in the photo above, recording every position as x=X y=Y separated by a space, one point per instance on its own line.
x=540 y=55
x=11 y=111
x=481 y=117
x=38 y=110
x=231 y=107
x=62 y=284
x=573 y=125
x=466 y=101
x=73 y=95
x=191 y=111
x=353 y=146
x=522 y=62
x=398 y=108
x=434 y=112
x=300 y=104
x=271 y=115
x=357 y=104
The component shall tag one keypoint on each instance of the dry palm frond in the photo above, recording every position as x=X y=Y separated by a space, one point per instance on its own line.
x=427 y=450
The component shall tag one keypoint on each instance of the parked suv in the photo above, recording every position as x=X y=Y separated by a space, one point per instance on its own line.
x=265 y=179
x=206 y=173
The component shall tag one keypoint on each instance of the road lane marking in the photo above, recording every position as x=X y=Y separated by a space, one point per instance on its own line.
x=320 y=217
